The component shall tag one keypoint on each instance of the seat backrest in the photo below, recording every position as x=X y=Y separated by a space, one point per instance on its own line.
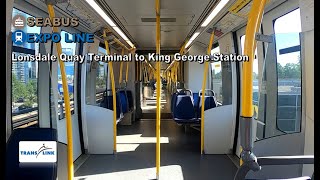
x=130 y=99
x=209 y=103
x=195 y=99
x=173 y=101
x=184 y=107
x=108 y=103
x=15 y=170
x=124 y=101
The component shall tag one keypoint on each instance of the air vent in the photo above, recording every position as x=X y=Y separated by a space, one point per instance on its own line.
x=161 y=20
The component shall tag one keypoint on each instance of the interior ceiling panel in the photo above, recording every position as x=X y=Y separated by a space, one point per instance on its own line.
x=231 y=21
x=185 y=13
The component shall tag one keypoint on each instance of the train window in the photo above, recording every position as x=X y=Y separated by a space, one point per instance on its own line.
x=101 y=78
x=255 y=100
x=287 y=38
x=221 y=80
x=25 y=29
x=68 y=49
x=24 y=81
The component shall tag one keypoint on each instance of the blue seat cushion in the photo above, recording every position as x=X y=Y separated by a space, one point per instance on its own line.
x=15 y=170
x=124 y=101
x=184 y=108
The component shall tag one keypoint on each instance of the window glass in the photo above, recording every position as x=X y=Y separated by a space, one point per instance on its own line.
x=221 y=80
x=25 y=82
x=68 y=49
x=287 y=37
x=101 y=78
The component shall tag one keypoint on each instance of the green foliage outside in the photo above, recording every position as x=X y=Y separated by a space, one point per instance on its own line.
x=289 y=71
x=28 y=92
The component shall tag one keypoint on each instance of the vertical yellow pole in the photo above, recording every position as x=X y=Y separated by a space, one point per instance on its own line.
x=158 y=89
x=205 y=73
x=121 y=68
x=66 y=99
x=127 y=71
x=253 y=25
x=113 y=87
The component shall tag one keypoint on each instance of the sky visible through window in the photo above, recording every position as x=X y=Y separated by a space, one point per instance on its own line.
x=287 y=30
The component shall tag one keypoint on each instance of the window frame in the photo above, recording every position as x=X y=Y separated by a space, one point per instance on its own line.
x=301 y=76
x=77 y=49
x=19 y=49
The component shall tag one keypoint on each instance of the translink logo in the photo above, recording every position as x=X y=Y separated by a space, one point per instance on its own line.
x=37 y=151
x=19 y=37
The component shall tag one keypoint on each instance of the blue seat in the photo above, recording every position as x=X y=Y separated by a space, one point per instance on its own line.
x=184 y=110
x=173 y=101
x=108 y=103
x=209 y=103
x=14 y=170
x=124 y=101
x=130 y=99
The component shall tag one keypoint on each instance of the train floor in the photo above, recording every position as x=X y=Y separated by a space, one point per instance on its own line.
x=136 y=150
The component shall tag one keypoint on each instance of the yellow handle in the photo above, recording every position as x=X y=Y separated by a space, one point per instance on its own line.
x=205 y=73
x=253 y=25
x=254 y=22
x=113 y=87
x=121 y=68
x=158 y=88
x=66 y=99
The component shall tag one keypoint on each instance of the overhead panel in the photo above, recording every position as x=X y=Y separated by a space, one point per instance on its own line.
x=74 y=8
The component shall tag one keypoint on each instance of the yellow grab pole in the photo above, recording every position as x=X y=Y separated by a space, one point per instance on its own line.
x=127 y=71
x=158 y=67
x=121 y=68
x=66 y=99
x=254 y=22
x=113 y=87
x=253 y=25
x=205 y=73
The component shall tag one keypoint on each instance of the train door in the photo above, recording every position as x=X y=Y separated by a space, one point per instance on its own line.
x=58 y=112
x=279 y=121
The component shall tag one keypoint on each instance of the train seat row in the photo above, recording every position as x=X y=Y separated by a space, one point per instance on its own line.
x=186 y=106
x=124 y=102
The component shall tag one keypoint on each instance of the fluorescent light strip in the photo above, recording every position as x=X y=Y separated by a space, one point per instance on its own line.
x=130 y=43
x=189 y=42
x=214 y=12
x=97 y=8
x=118 y=30
x=193 y=37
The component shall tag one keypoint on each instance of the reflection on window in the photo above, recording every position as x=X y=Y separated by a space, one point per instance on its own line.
x=287 y=30
x=221 y=80
x=255 y=98
x=25 y=83
x=68 y=49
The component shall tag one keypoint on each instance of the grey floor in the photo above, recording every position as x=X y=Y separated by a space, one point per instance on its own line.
x=180 y=156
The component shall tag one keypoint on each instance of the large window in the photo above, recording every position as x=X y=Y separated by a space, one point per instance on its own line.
x=68 y=49
x=24 y=81
x=287 y=37
x=221 y=80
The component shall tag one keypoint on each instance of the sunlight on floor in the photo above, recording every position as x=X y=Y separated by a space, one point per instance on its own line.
x=150 y=107
x=137 y=139
x=171 y=172
x=127 y=143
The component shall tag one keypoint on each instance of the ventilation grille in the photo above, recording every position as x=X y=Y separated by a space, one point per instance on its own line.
x=161 y=20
